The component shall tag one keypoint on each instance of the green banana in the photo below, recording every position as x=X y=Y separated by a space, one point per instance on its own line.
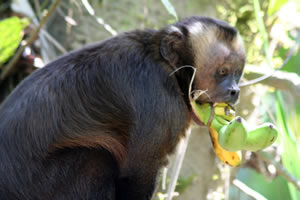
x=233 y=136
x=229 y=158
x=261 y=137
x=229 y=135
x=203 y=113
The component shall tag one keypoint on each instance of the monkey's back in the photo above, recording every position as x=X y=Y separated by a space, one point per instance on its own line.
x=116 y=96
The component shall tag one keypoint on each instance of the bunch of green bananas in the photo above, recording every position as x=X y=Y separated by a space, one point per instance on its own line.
x=230 y=135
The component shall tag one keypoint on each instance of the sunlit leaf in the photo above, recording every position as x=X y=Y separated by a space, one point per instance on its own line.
x=10 y=36
x=290 y=157
x=275 y=5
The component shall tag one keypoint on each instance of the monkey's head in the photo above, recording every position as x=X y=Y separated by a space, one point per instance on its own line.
x=215 y=49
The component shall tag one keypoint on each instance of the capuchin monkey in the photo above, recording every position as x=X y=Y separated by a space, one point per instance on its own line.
x=99 y=122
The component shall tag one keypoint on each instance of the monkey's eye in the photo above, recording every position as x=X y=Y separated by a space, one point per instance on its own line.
x=223 y=71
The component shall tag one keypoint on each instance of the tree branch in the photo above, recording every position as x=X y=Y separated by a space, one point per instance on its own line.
x=247 y=190
x=280 y=80
x=280 y=169
x=9 y=68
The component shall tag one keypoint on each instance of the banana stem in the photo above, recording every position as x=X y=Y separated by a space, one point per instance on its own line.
x=203 y=112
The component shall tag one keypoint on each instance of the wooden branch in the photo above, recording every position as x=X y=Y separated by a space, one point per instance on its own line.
x=280 y=80
x=280 y=169
x=9 y=68
x=178 y=164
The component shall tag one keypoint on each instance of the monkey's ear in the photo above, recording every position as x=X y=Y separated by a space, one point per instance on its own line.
x=170 y=46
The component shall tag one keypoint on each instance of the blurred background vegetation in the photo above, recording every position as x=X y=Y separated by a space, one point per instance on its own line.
x=271 y=34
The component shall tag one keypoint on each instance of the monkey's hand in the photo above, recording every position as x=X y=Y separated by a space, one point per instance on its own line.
x=229 y=134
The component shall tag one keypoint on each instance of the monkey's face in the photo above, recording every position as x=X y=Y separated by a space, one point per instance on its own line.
x=217 y=77
x=215 y=49
x=219 y=58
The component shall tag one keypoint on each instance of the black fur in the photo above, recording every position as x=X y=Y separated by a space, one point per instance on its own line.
x=96 y=123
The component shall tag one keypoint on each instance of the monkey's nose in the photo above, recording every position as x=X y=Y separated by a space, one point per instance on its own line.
x=234 y=92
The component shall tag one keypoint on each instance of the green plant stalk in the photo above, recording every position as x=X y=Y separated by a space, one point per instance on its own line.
x=262 y=29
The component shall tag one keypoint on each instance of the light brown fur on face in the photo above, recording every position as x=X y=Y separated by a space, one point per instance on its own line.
x=213 y=52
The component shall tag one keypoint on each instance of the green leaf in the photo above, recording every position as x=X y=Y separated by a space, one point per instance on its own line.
x=277 y=189
x=184 y=182
x=293 y=64
x=275 y=5
x=290 y=157
x=170 y=8
x=11 y=34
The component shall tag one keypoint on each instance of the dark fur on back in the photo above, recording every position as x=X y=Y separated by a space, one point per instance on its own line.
x=97 y=123
x=117 y=89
